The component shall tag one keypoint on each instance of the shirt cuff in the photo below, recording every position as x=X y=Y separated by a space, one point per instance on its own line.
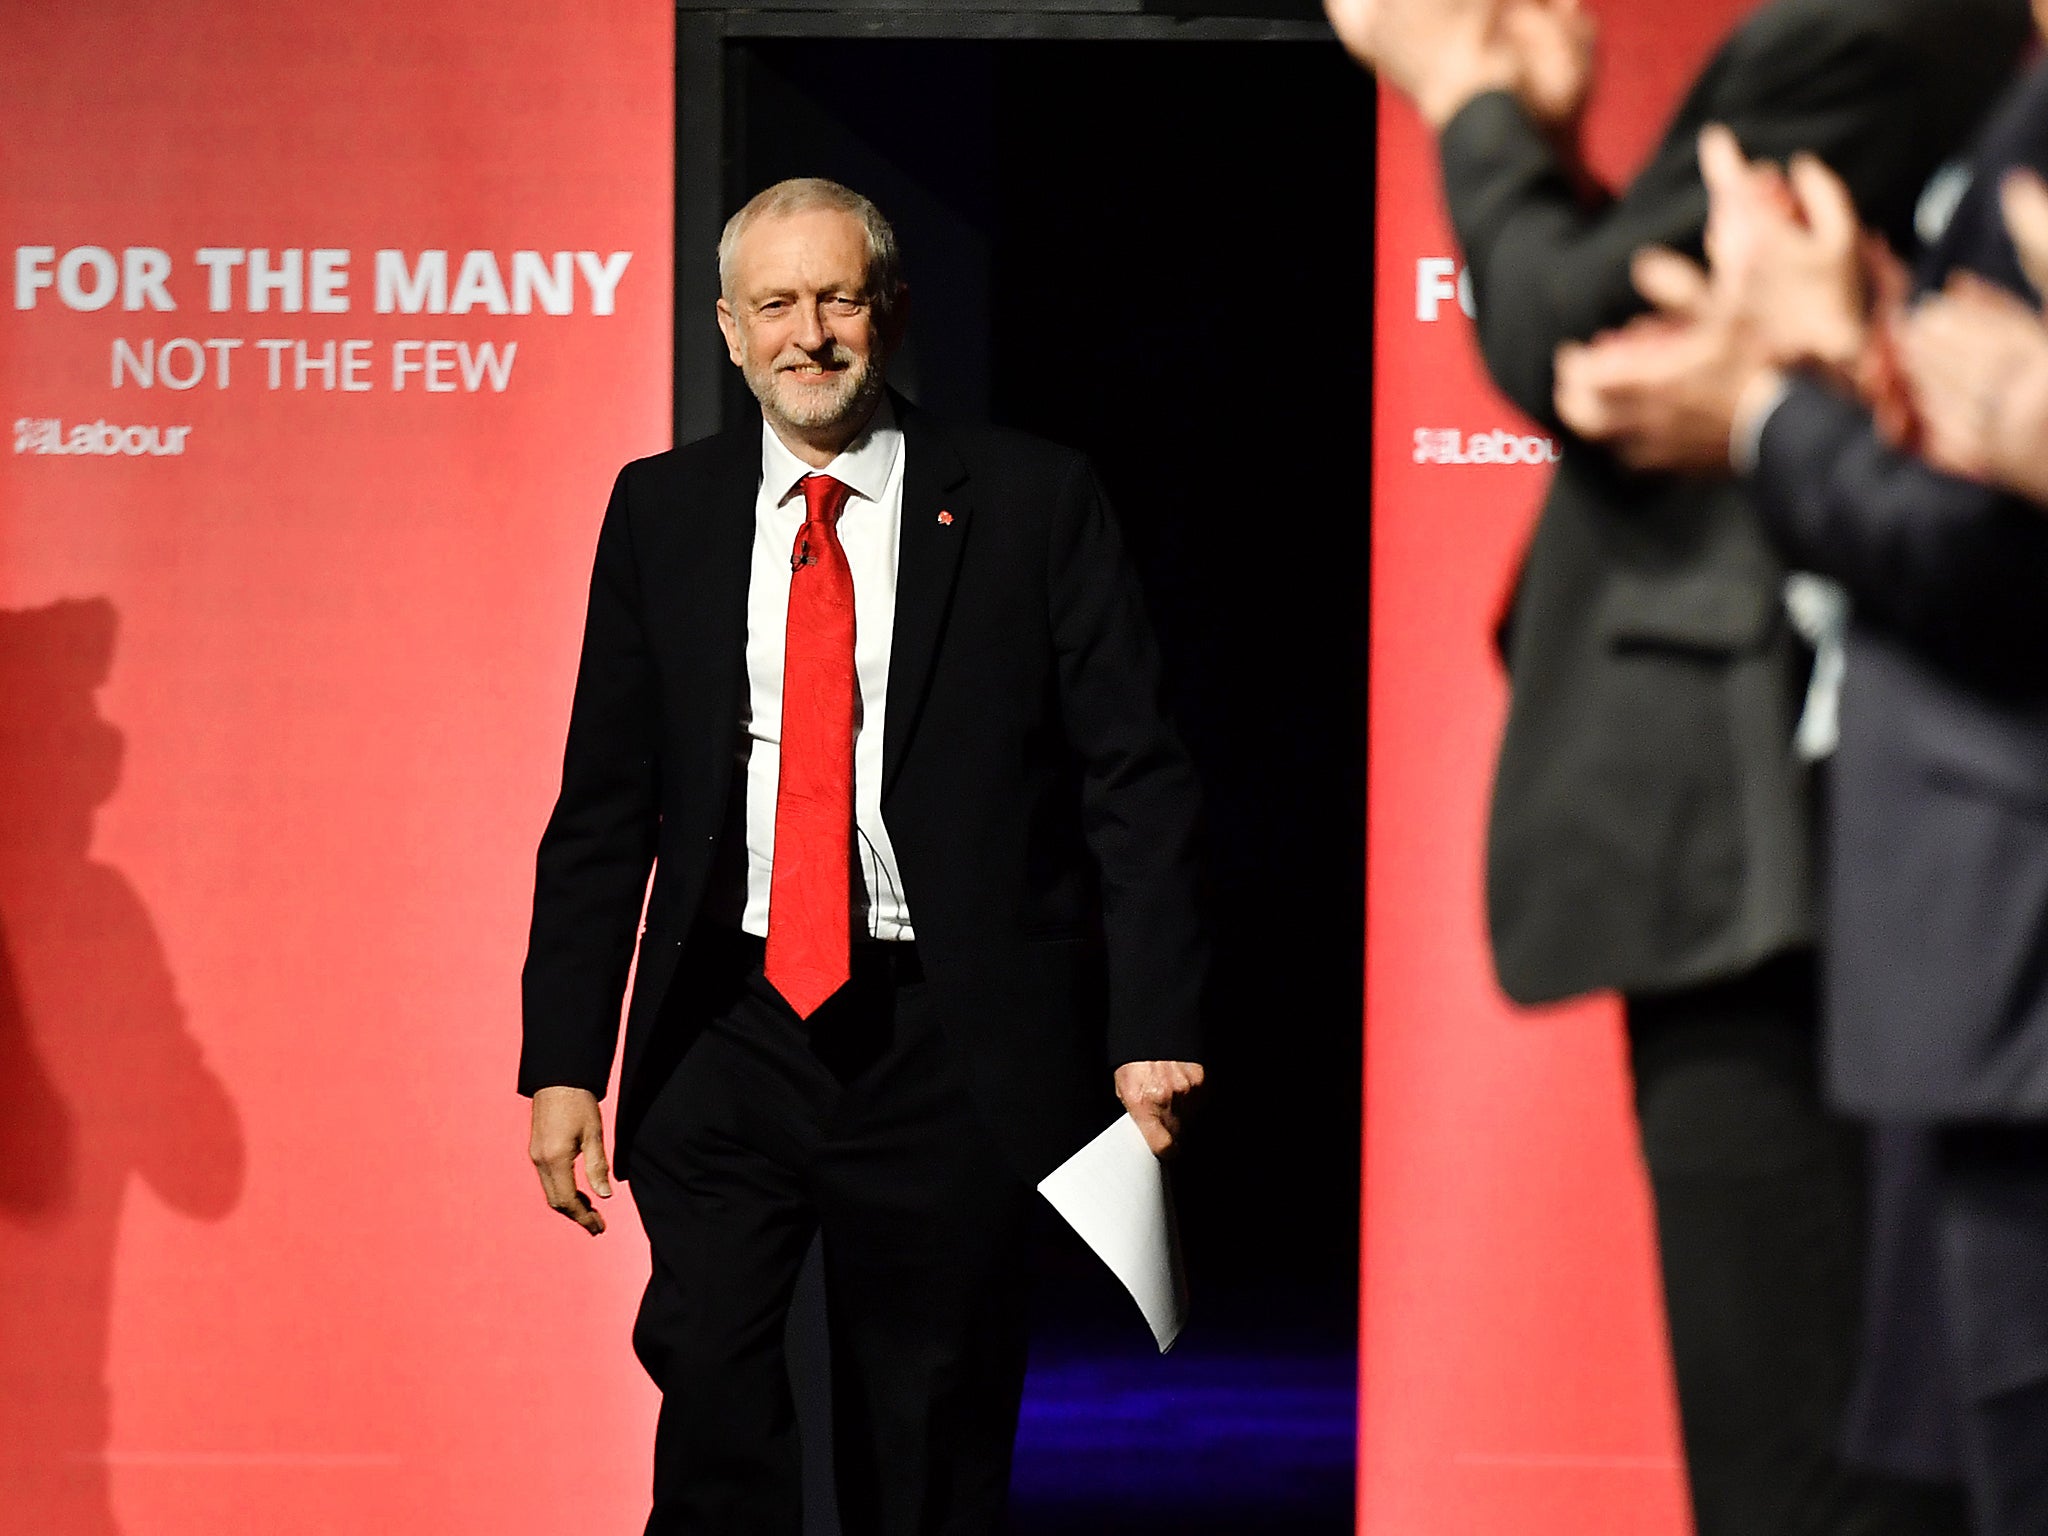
x=1752 y=417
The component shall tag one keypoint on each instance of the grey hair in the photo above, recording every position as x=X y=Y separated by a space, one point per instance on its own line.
x=801 y=194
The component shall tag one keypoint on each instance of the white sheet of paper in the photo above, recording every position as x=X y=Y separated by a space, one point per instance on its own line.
x=1114 y=1193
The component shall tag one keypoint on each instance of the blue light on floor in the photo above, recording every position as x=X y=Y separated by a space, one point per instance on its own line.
x=1192 y=1433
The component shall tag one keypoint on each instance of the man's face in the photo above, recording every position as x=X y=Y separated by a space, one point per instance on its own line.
x=800 y=322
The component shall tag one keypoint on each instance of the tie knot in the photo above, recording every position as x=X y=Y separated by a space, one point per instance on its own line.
x=824 y=498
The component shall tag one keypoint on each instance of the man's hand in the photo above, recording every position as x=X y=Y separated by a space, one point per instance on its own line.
x=1552 y=43
x=1153 y=1092
x=1664 y=392
x=1661 y=394
x=1976 y=359
x=1787 y=254
x=1789 y=287
x=2025 y=198
x=567 y=1123
x=1438 y=53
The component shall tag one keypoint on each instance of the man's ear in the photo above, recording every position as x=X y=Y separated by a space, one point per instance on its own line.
x=898 y=323
x=728 y=324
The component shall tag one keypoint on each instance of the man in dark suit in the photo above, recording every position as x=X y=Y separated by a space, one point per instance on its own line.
x=1938 y=909
x=876 y=699
x=1649 y=829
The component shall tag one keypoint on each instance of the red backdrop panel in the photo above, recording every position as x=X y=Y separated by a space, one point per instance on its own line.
x=1513 y=1370
x=282 y=712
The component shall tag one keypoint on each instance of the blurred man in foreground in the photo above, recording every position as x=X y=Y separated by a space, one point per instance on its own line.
x=1785 y=364
x=1649 y=829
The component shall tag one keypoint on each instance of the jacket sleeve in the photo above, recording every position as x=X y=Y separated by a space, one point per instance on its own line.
x=1955 y=568
x=1547 y=268
x=599 y=845
x=1140 y=801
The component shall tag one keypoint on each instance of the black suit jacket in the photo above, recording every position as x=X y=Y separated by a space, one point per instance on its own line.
x=1041 y=809
x=1937 y=960
x=1649 y=827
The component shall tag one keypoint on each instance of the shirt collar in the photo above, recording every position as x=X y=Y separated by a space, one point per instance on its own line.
x=864 y=465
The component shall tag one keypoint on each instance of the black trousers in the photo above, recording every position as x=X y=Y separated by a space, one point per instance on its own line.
x=854 y=1125
x=1760 y=1201
x=1956 y=1365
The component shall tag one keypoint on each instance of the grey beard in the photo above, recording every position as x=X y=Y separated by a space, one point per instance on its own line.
x=854 y=399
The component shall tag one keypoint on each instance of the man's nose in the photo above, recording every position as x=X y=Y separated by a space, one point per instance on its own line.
x=810 y=326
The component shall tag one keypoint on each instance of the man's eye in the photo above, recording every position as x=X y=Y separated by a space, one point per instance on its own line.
x=772 y=307
x=840 y=304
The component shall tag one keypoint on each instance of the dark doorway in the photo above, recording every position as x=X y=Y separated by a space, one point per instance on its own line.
x=1160 y=252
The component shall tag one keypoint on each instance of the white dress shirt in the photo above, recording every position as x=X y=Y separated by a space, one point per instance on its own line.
x=1817 y=606
x=872 y=466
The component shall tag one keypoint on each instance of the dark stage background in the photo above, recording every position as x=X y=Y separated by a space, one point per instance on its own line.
x=1160 y=252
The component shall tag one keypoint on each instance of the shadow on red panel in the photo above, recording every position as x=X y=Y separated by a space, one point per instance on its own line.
x=98 y=1078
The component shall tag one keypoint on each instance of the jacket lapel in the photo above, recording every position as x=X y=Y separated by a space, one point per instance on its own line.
x=713 y=570
x=937 y=518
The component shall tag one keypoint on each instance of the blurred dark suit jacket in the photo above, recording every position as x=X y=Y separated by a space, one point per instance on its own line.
x=1649 y=827
x=1938 y=898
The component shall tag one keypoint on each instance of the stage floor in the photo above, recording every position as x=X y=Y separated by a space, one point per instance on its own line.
x=1220 y=1436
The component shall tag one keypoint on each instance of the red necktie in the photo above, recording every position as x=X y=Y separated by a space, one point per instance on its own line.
x=810 y=907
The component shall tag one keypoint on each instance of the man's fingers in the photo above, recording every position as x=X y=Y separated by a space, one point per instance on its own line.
x=1356 y=23
x=1830 y=210
x=1723 y=166
x=595 y=1166
x=1579 y=403
x=558 y=1184
x=557 y=1175
x=1671 y=282
x=1967 y=287
x=1152 y=1092
x=1980 y=296
x=1559 y=33
x=565 y=1197
x=558 y=1180
x=1598 y=388
x=1934 y=336
x=2025 y=199
x=1158 y=1127
x=1744 y=197
x=584 y=1214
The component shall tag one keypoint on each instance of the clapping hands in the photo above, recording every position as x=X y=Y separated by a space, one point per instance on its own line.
x=1976 y=360
x=1791 y=281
